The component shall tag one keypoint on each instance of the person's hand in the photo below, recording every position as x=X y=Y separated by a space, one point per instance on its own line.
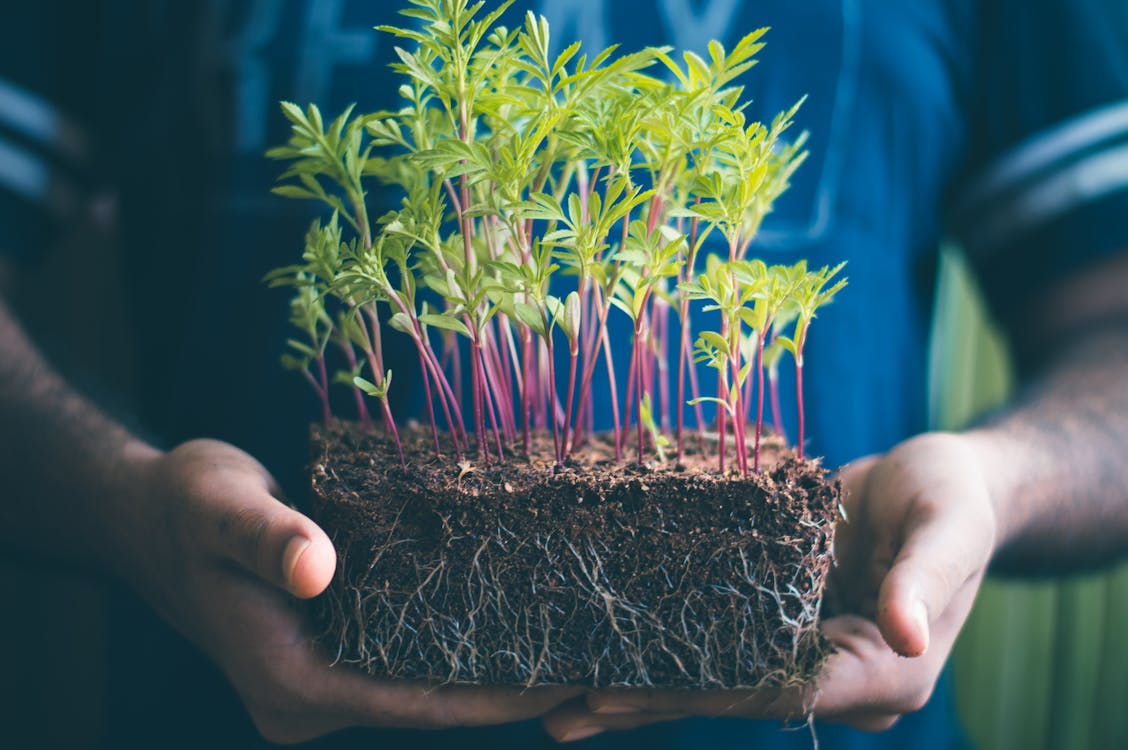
x=216 y=553
x=921 y=532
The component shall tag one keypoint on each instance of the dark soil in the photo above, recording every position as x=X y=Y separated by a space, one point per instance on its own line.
x=595 y=573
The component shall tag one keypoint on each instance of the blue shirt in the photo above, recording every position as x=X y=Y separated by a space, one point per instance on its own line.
x=1002 y=123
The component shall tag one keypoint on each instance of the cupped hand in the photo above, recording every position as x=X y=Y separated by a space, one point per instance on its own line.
x=221 y=558
x=920 y=534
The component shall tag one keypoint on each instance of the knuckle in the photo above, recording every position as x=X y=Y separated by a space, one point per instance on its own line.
x=242 y=530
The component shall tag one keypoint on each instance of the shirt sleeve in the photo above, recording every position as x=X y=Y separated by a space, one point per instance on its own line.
x=44 y=149
x=1048 y=189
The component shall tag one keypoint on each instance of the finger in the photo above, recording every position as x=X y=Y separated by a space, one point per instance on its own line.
x=575 y=721
x=940 y=554
x=866 y=684
x=853 y=541
x=767 y=703
x=415 y=706
x=855 y=677
x=275 y=542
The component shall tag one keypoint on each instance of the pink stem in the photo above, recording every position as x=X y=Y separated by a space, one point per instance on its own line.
x=488 y=402
x=479 y=416
x=590 y=360
x=638 y=394
x=496 y=384
x=529 y=362
x=452 y=353
x=575 y=356
x=504 y=338
x=800 y=342
x=552 y=400
x=632 y=379
x=738 y=418
x=431 y=411
x=447 y=398
x=722 y=425
x=395 y=433
x=799 y=400
x=321 y=396
x=662 y=326
x=323 y=390
x=590 y=341
x=431 y=365
x=612 y=387
x=777 y=412
x=378 y=379
x=656 y=204
x=759 y=397
x=361 y=407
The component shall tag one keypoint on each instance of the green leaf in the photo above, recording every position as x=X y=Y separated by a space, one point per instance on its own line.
x=788 y=344
x=400 y=322
x=370 y=388
x=717 y=341
x=712 y=400
x=744 y=372
x=305 y=349
x=294 y=191
x=445 y=322
x=571 y=318
x=297 y=364
x=530 y=316
x=621 y=305
x=753 y=317
x=293 y=113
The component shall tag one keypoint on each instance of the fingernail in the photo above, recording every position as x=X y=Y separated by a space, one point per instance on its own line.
x=294 y=549
x=581 y=733
x=920 y=614
x=614 y=709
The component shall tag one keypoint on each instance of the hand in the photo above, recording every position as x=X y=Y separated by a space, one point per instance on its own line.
x=214 y=551
x=920 y=534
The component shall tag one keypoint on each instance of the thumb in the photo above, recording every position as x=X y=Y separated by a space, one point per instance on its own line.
x=938 y=557
x=275 y=542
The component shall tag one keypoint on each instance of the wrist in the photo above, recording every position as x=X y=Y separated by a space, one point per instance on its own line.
x=997 y=464
x=127 y=517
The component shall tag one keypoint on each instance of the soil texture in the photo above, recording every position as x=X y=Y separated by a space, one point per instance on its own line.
x=595 y=573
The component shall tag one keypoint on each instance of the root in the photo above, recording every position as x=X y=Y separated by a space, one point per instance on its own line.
x=490 y=606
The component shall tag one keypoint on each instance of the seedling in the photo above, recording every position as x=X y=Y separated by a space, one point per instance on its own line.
x=542 y=196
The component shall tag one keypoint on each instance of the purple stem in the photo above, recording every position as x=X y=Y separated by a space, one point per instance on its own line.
x=759 y=397
x=395 y=433
x=361 y=407
x=552 y=400
x=799 y=343
x=323 y=390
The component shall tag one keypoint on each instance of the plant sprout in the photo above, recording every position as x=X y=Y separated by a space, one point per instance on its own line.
x=543 y=196
x=812 y=294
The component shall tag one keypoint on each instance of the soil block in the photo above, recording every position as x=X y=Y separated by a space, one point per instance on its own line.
x=595 y=573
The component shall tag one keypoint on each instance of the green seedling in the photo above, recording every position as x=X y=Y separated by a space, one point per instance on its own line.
x=543 y=195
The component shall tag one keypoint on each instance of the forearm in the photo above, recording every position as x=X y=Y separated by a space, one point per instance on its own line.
x=1057 y=461
x=67 y=467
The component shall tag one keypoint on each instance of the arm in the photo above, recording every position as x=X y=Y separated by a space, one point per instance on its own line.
x=65 y=463
x=1060 y=454
x=201 y=535
x=1039 y=487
